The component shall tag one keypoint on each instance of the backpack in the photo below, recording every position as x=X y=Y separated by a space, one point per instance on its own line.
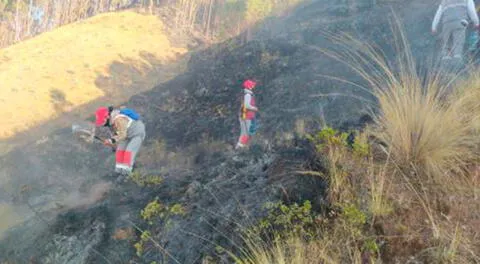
x=253 y=127
x=472 y=41
x=130 y=113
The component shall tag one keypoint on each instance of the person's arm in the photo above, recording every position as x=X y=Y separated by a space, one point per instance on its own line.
x=121 y=125
x=247 y=99
x=472 y=13
x=436 y=19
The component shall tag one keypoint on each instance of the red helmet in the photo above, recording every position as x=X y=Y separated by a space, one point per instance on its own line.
x=249 y=84
x=101 y=116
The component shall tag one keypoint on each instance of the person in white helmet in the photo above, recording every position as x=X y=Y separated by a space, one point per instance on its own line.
x=453 y=15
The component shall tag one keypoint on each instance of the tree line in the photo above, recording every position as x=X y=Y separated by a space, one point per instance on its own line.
x=22 y=19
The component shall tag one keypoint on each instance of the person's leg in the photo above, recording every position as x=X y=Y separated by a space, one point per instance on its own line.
x=134 y=145
x=119 y=156
x=131 y=152
x=243 y=139
x=248 y=126
x=458 y=41
x=446 y=37
x=246 y=132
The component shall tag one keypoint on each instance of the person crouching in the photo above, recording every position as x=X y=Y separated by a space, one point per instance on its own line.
x=128 y=135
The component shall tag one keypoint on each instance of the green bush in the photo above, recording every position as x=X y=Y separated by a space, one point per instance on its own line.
x=145 y=180
x=258 y=9
x=298 y=219
x=361 y=147
x=353 y=219
x=154 y=210
x=328 y=137
x=140 y=245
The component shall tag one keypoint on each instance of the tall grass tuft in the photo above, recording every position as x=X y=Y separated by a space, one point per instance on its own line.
x=428 y=124
x=295 y=250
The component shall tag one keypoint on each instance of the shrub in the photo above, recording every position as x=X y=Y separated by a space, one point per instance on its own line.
x=145 y=180
x=297 y=219
x=154 y=210
x=331 y=146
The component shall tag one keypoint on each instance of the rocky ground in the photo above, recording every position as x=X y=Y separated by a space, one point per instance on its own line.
x=82 y=216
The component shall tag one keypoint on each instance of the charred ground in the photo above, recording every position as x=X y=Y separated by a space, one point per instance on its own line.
x=191 y=127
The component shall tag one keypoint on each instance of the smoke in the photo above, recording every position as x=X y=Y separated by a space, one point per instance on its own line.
x=12 y=215
x=9 y=217
x=96 y=193
x=49 y=176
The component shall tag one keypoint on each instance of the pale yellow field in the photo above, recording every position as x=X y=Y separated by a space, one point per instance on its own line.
x=9 y=218
x=57 y=71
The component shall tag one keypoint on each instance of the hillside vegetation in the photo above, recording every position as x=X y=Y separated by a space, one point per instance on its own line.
x=363 y=154
x=405 y=190
x=23 y=19
x=72 y=65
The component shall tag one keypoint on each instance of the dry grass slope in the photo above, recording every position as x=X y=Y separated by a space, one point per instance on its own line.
x=57 y=71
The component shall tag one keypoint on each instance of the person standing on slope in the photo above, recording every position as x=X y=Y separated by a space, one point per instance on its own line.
x=248 y=112
x=128 y=135
x=452 y=14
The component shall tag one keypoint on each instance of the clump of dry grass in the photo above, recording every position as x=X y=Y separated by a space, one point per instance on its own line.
x=295 y=250
x=426 y=132
x=425 y=135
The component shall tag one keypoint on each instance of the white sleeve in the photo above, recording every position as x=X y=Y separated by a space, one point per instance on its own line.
x=437 y=17
x=247 y=100
x=472 y=12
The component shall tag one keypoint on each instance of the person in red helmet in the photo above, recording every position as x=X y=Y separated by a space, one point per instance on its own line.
x=248 y=112
x=128 y=135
